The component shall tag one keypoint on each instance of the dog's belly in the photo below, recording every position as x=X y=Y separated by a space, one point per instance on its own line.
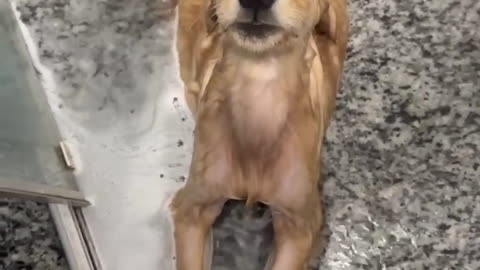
x=242 y=174
x=258 y=104
x=258 y=125
x=248 y=131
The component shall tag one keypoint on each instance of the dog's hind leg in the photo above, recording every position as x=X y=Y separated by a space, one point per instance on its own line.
x=194 y=212
x=297 y=222
x=196 y=206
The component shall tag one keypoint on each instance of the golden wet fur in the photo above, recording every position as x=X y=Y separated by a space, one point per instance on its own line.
x=262 y=106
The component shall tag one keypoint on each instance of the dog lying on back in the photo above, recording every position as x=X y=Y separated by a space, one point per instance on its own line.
x=260 y=79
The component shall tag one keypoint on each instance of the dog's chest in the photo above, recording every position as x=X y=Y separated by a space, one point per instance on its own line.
x=259 y=104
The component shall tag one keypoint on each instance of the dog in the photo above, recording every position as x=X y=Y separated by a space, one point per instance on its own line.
x=260 y=79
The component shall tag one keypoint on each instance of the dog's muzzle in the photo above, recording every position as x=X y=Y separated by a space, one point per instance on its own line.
x=255 y=18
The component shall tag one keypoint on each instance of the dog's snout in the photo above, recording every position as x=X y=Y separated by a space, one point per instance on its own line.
x=256 y=4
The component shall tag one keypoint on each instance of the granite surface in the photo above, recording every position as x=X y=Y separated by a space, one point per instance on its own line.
x=403 y=154
x=28 y=239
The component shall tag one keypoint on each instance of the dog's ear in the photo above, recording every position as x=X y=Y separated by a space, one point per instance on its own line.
x=212 y=18
x=330 y=37
x=327 y=23
x=333 y=22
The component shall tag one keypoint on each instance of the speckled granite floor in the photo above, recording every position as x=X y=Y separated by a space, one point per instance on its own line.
x=403 y=156
x=28 y=239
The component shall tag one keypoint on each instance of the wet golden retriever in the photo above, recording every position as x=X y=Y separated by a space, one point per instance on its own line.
x=260 y=79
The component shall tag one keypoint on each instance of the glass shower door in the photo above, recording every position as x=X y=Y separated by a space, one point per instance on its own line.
x=31 y=161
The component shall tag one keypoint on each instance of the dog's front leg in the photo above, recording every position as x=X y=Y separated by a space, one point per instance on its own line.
x=296 y=232
x=195 y=211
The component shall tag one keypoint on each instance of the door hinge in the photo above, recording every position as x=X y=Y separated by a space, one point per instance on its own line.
x=66 y=152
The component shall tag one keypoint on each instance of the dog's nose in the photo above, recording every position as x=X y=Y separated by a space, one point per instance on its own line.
x=256 y=4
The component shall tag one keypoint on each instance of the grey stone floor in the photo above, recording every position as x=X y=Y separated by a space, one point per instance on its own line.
x=402 y=158
x=28 y=240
